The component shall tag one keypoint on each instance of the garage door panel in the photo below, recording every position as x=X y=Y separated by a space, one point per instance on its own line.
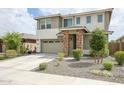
x=52 y=46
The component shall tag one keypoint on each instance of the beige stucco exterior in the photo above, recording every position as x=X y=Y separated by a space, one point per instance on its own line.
x=57 y=24
x=93 y=25
x=47 y=33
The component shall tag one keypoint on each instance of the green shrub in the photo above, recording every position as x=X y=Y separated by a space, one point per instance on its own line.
x=106 y=73
x=108 y=65
x=43 y=66
x=101 y=73
x=77 y=54
x=57 y=62
x=60 y=56
x=96 y=72
x=105 y=53
x=22 y=50
x=2 y=57
x=119 y=57
x=11 y=53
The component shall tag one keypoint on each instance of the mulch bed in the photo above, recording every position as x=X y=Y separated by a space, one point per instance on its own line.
x=71 y=67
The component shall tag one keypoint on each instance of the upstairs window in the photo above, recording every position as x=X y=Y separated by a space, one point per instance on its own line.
x=77 y=20
x=100 y=18
x=68 y=22
x=65 y=22
x=48 y=23
x=88 y=19
x=42 y=24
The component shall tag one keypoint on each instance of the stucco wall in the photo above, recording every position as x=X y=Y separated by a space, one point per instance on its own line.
x=94 y=23
x=38 y=45
x=47 y=33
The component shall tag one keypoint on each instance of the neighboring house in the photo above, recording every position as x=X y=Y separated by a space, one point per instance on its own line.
x=63 y=33
x=121 y=43
x=116 y=45
x=29 y=41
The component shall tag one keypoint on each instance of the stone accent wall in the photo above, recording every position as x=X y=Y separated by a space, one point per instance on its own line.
x=79 y=39
x=66 y=42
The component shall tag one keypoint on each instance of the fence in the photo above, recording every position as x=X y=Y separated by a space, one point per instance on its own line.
x=113 y=47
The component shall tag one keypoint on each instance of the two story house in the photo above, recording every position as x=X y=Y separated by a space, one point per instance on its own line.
x=63 y=33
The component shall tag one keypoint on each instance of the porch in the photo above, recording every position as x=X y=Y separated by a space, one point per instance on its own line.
x=73 y=38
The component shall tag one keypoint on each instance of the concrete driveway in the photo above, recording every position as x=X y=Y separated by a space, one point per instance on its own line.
x=17 y=71
x=27 y=62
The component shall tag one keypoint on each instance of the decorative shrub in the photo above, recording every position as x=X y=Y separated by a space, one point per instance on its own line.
x=101 y=73
x=43 y=66
x=108 y=65
x=2 y=57
x=95 y=72
x=106 y=73
x=57 y=62
x=105 y=53
x=119 y=57
x=22 y=50
x=77 y=54
x=11 y=53
x=60 y=56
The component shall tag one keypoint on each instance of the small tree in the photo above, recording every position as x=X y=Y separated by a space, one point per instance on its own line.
x=97 y=44
x=12 y=41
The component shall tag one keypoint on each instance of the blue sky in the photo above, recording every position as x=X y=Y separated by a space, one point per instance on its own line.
x=22 y=19
x=35 y=11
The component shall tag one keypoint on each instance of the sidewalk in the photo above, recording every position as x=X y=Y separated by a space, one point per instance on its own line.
x=15 y=76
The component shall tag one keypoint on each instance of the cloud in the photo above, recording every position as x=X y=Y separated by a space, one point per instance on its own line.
x=18 y=20
x=117 y=23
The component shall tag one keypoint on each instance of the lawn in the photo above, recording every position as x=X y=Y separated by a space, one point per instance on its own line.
x=83 y=68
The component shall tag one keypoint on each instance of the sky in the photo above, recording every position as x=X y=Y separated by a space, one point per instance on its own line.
x=22 y=19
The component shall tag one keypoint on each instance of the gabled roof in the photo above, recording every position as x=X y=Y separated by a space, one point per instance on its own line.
x=28 y=36
x=76 y=14
x=90 y=12
x=72 y=28
x=48 y=16
x=120 y=38
x=75 y=28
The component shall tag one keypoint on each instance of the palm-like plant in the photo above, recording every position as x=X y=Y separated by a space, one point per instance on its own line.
x=12 y=40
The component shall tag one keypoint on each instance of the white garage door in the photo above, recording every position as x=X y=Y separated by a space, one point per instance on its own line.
x=52 y=46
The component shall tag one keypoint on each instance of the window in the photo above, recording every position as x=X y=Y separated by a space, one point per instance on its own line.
x=77 y=20
x=45 y=41
x=88 y=19
x=48 y=23
x=100 y=18
x=50 y=41
x=57 y=41
x=67 y=22
x=42 y=24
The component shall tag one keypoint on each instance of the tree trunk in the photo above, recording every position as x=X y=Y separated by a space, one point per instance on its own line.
x=95 y=58
x=101 y=59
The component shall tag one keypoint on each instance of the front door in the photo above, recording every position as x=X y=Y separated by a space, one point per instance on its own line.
x=72 y=43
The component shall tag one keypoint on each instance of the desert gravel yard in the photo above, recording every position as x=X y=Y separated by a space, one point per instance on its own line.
x=82 y=68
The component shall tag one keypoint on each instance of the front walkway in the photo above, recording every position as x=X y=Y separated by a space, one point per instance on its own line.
x=17 y=71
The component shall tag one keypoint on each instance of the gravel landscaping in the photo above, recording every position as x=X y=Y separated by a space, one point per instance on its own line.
x=82 y=68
